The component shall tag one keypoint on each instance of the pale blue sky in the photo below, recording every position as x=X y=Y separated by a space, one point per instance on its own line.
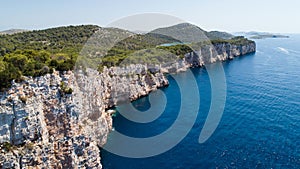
x=227 y=15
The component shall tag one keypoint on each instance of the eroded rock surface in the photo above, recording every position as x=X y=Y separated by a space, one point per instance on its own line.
x=43 y=126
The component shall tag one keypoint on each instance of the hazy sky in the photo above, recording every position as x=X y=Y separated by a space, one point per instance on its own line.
x=227 y=15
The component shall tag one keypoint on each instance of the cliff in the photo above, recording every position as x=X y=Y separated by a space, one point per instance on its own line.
x=60 y=120
x=42 y=126
x=212 y=53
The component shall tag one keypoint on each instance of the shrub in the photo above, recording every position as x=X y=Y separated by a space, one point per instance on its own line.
x=69 y=91
x=29 y=146
x=7 y=146
x=64 y=89
x=17 y=60
x=8 y=72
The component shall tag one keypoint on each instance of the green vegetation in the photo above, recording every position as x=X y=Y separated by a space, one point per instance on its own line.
x=64 y=89
x=136 y=49
x=31 y=63
x=238 y=40
x=186 y=32
x=178 y=50
x=35 y=53
x=218 y=35
x=6 y=146
x=67 y=40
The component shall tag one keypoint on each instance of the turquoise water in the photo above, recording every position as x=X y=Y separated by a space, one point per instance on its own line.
x=260 y=127
x=174 y=44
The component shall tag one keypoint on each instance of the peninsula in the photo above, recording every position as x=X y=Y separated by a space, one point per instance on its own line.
x=54 y=115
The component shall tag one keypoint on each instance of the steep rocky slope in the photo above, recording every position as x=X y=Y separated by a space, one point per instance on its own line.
x=42 y=126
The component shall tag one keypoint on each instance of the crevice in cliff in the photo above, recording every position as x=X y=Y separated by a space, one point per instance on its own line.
x=20 y=162
x=12 y=125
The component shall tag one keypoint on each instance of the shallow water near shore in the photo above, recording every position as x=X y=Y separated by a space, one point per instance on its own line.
x=260 y=127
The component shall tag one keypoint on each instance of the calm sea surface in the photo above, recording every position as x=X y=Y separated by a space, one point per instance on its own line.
x=260 y=127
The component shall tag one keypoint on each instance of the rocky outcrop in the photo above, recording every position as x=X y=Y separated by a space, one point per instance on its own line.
x=43 y=126
x=60 y=120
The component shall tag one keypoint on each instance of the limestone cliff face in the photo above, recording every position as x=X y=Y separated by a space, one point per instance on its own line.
x=42 y=125
x=218 y=52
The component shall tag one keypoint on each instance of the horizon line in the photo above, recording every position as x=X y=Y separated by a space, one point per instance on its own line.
x=79 y=24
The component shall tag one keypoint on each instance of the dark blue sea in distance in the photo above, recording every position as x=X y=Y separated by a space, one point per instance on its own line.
x=260 y=127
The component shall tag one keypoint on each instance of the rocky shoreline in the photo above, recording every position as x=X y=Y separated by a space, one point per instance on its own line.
x=60 y=120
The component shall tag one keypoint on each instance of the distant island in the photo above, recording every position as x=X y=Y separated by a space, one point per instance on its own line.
x=13 y=31
x=268 y=36
x=261 y=35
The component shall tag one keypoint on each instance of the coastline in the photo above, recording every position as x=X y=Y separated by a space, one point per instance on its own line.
x=57 y=129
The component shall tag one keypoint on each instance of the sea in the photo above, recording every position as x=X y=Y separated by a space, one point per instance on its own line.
x=259 y=127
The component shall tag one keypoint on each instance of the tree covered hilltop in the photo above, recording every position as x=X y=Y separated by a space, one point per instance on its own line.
x=38 y=52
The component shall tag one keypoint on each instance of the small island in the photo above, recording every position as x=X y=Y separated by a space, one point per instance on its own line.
x=268 y=36
x=261 y=35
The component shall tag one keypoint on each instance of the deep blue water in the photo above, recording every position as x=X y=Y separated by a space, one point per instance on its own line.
x=260 y=127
